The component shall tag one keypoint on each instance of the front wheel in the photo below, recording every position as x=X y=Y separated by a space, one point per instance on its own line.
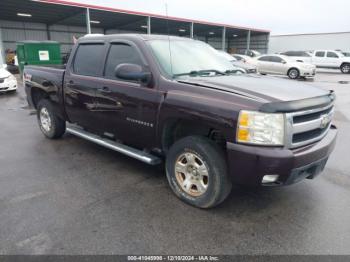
x=50 y=124
x=196 y=169
x=345 y=68
x=293 y=73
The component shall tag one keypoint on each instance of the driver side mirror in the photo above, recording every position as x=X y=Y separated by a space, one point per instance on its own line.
x=133 y=72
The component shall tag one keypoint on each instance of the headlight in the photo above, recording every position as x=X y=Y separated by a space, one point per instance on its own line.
x=260 y=128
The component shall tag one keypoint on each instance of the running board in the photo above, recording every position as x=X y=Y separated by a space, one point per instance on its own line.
x=126 y=150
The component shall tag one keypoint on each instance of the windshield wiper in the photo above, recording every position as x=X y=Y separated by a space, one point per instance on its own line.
x=201 y=72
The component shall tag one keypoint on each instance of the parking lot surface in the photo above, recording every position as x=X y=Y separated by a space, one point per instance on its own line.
x=70 y=196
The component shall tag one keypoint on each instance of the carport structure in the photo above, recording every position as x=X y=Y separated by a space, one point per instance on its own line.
x=64 y=20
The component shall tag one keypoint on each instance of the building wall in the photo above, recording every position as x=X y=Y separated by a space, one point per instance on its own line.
x=257 y=42
x=310 y=42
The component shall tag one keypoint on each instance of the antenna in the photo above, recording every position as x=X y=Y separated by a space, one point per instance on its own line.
x=167 y=25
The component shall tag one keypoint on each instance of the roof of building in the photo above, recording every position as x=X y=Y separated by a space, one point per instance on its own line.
x=117 y=10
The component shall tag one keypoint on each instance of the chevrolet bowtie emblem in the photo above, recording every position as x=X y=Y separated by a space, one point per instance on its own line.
x=325 y=119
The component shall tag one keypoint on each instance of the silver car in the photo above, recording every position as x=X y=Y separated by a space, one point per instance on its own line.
x=283 y=65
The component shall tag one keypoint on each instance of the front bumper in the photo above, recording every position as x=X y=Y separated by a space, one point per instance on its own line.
x=308 y=72
x=249 y=164
x=8 y=86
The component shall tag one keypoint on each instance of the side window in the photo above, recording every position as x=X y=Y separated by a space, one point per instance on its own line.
x=320 y=54
x=264 y=58
x=276 y=59
x=120 y=54
x=89 y=59
x=332 y=54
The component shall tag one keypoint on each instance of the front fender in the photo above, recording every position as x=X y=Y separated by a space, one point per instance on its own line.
x=202 y=110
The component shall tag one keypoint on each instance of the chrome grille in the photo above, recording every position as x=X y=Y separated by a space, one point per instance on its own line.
x=306 y=127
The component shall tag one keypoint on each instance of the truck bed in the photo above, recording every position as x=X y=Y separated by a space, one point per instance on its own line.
x=46 y=75
x=49 y=79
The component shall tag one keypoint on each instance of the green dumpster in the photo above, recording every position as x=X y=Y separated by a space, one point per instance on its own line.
x=38 y=53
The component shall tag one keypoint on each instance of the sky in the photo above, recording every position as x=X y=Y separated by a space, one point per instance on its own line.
x=278 y=16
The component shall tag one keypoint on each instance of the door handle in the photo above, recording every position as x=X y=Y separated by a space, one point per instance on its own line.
x=105 y=89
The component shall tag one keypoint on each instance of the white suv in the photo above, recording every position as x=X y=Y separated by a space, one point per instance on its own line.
x=283 y=65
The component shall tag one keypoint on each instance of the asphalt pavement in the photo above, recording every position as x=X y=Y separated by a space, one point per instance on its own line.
x=70 y=196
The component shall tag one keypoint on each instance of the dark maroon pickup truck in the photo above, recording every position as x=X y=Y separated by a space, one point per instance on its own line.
x=158 y=98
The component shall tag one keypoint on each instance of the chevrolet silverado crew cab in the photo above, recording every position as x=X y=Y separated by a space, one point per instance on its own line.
x=159 y=98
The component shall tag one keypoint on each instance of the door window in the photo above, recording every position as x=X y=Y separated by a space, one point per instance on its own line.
x=320 y=54
x=89 y=59
x=276 y=59
x=332 y=55
x=265 y=58
x=120 y=54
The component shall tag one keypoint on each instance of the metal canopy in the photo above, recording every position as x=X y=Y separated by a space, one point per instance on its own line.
x=49 y=14
x=41 y=13
x=56 y=12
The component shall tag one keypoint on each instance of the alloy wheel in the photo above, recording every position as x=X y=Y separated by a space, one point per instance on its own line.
x=192 y=174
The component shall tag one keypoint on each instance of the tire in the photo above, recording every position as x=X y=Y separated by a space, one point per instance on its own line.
x=214 y=184
x=50 y=124
x=345 y=68
x=293 y=73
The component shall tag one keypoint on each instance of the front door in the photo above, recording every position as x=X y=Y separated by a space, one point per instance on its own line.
x=279 y=65
x=332 y=60
x=126 y=109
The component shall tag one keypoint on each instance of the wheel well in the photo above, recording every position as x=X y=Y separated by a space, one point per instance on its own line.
x=37 y=95
x=176 y=129
x=344 y=63
x=293 y=68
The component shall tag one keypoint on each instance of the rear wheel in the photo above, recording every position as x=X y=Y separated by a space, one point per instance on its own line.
x=345 y=68
x=196 y=169
x=293 y=73
x=50 y=124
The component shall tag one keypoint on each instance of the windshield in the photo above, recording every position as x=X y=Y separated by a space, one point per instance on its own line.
x=187 y=57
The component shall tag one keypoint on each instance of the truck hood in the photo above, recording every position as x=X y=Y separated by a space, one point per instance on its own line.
x=345 y=59
x=261 y=88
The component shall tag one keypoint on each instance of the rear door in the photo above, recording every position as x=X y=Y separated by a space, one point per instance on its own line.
x=81 y=82
x=319 y=58
x=127 y=110
x=264 y=64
